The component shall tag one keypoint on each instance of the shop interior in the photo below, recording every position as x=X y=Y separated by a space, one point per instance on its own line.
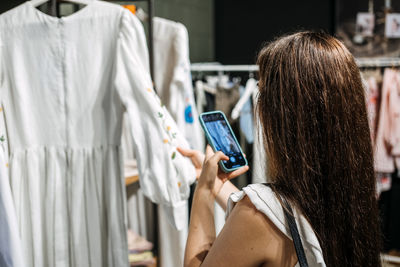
x=198 y=56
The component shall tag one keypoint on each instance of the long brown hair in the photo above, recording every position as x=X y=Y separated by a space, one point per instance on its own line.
x=313 y=113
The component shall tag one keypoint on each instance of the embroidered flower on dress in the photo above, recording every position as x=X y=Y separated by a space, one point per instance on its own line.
x=160 y=114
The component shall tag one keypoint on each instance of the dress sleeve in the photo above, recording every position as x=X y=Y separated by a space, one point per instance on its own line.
x=10 y=243
x=165 y=175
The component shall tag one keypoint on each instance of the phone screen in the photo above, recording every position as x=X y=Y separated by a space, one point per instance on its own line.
x=223 y=139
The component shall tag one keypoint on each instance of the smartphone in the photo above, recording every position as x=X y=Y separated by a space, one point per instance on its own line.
x=221 y=138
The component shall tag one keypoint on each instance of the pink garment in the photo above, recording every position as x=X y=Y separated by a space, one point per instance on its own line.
x=383 y=182
x=137 y=243
x=387 y=148
x=372 y=105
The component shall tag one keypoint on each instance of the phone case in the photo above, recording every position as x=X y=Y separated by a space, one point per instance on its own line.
x=225 y=169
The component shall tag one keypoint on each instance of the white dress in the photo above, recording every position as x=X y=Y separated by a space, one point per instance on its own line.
x=173 y=83
x=173 y=79
x=64 y=85
x=265 y=200
x=10 y=243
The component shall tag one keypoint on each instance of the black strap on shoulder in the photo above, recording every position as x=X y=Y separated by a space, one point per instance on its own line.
x=301 y=256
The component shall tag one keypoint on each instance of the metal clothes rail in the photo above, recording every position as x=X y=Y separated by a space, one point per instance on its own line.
x=379 y=62
x=215 y=67
x=361 y=62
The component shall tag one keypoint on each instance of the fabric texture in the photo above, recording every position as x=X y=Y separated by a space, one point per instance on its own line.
x=387 y=145
x=200 y=96
x=226 y=99
x=264 y=199
x=259 y=174
x=372 y=104
x=172 y=242
x=65 y=84
x=246 y=118
x=173 y=79
x=10 y=242
x=372 y=81
x=173 y=84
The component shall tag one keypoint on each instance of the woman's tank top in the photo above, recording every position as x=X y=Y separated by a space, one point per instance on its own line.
x=265 y=200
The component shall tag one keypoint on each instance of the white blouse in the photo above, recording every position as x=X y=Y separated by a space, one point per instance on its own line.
x=64 y=85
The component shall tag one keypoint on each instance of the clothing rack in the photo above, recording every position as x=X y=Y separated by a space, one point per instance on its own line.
x=361 y=62
x=380 y=62
x=200 y=67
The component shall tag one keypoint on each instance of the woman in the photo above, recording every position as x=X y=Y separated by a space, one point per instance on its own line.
x=312 y=111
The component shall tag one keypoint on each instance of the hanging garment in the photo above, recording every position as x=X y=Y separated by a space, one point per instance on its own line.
x=383 y=182
x=259 y=171
x=226 y=99
x=372 y=94
x=372 y=81
x=173 y=83
x=387 y=145
x=173 y=79
x=210 y=101
x=10 y=243
x=65 y=83
x=172 y=242
x=200 y=96
x=137 y=243
x=265 y=200
x=246 y=119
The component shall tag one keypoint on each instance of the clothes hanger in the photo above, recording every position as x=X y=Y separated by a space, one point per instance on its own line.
x=251 y=87
x=141 y=14
x=37 y=3
x=131 y=8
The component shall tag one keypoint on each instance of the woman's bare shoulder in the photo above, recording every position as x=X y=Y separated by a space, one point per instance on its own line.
x=252 y=239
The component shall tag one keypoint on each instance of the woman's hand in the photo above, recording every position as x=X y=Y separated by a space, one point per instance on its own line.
x=222 y=189
x=212 y=178
x=195 y=156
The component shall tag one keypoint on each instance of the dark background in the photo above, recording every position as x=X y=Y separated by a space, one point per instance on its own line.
x=8 y=4
x=241 y=29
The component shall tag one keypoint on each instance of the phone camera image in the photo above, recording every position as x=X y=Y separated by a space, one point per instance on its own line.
x=223 y=140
